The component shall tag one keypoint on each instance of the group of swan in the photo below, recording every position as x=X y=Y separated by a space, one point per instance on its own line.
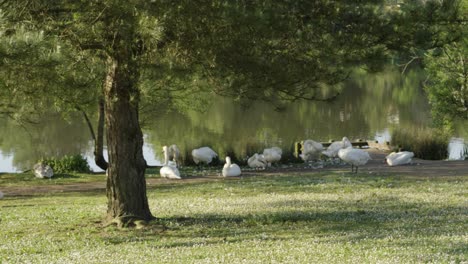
x=332 y=150
x=205 y=155
x=310 y=150
x=345 y=151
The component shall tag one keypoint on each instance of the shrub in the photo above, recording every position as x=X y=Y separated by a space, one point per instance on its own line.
x=74 y=163
x=427 y=144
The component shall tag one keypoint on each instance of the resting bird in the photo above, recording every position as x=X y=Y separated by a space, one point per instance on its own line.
x=171 y=153
x=399 y=158
x=311 y=149
x=231 y=169
x=332 y=150
x=355 y=157
x=272 y=155
x=203 y=155
x=42 y=170
x=257 y=161
x=170 y=171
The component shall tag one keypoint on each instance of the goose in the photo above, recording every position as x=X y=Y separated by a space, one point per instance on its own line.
x=170 y=171
x=171 y=153
x=272 y=155
x=356 y=157
x=332 y=150
x=310 y=149
x=257 y=161
x=399 y=158
x=231 y=169
x=203 y=155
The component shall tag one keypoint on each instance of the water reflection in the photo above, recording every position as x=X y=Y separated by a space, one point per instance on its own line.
x=370 y=107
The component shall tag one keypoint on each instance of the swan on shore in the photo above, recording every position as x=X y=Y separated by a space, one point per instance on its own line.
x=311 y=150
x=170 y=171
x=171 y=153
x=399 y=158
x=355 y=157
x=203 y=155
x=272 y=155
x=257 y=161
x=231 y=169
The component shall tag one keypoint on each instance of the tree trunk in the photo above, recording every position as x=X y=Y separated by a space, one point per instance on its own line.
x=126 y=185
x=99 y=140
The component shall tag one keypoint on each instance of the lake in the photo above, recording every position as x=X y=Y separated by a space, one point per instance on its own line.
x=370 y=106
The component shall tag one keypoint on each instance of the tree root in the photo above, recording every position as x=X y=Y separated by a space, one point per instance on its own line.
x=129 y=221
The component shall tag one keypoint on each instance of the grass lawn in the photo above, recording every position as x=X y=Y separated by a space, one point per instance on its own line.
x=299 y=218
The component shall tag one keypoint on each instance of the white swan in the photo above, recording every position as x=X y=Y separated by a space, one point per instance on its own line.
x=170 y=171
x=355 y=157
x=231 y=169
x=257 y=161
x=272 y=155
x=399 y=158
x=171 y=153
x=203 y=155
x=332 y=150
x=310 y=149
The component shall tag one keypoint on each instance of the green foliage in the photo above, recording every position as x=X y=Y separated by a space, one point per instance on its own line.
x=427 y=144
x=66 y=164
x=447 y=85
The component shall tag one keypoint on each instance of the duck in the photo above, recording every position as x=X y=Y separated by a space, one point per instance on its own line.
x=399 y=158
x=310 y=149
x=203 y=155
x=257 y=161
x=171 y=153
x=272 y=155
x=355 y=157
x=332 y=150
x=231 y=169
x=170 y=171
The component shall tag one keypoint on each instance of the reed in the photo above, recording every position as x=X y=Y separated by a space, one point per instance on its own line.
x=428 y=144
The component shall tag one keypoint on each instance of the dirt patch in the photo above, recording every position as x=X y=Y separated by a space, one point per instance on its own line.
x=377 y=166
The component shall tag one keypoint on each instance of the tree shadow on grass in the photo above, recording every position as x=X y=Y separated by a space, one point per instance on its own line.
x=341 y=226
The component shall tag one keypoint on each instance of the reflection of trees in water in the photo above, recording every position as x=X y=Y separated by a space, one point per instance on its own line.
x=363 y=108
x=368 y=103
x=52 y=137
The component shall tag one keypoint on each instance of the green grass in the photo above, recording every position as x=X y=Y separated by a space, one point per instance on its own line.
x=308 y=218
x=28 y=179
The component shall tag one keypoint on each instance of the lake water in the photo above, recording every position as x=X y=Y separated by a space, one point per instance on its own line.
x=369 y=107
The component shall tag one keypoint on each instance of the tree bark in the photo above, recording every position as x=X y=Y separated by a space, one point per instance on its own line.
x=126 y=185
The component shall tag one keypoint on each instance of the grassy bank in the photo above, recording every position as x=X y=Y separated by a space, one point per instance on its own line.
x=308 y=218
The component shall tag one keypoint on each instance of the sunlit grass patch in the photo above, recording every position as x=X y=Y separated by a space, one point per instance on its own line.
x=300 y=218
